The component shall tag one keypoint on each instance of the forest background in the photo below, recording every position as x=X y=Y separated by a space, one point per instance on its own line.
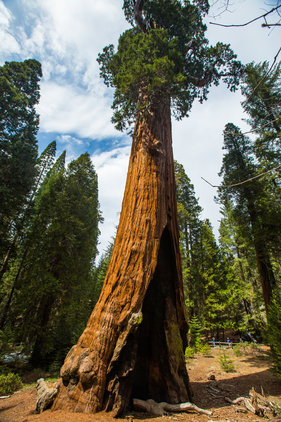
x=75 y=105
x=43 y=305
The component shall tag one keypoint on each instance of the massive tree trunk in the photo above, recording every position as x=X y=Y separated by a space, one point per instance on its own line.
x=133 y=345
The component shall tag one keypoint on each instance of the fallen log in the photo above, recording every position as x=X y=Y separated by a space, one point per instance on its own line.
x=160 y=409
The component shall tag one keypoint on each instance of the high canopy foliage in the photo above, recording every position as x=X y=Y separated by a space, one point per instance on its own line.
x=165 y=55
x=262 y=89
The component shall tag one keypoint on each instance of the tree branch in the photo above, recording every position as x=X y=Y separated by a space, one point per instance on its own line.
x=254 y=130
x=244 y=181
x=268 y=25
x=200 y=82
x=139 y=19
x=262 y=79
x=249 y=22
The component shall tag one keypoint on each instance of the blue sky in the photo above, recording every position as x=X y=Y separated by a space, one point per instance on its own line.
x=75 y=107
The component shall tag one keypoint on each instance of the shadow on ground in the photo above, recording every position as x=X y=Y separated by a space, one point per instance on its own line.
x=211 y=394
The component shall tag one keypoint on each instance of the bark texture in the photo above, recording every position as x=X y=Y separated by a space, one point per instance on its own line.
x=134 y=341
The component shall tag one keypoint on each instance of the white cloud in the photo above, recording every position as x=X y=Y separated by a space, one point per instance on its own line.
x=68 y=109
x=72 y=32
x=8 y=42
x=66 y=37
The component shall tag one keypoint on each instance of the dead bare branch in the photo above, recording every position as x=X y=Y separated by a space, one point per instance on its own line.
x=244 y=181
x=254 y=130
x=249 y=22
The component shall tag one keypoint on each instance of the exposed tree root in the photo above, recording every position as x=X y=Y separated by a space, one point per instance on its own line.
x=161 y=409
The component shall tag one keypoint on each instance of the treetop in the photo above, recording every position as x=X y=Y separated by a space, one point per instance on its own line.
x=165 y=55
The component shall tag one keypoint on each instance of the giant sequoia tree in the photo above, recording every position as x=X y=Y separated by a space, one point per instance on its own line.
x=134 y=341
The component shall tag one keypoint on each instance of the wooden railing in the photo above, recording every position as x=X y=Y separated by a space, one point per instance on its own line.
x=222 y=343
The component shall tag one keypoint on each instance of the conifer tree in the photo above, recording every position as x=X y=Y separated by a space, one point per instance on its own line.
x=51 y=303
x=18 y=234
x=19 y=95
x=214 y=301
x=190 y=227
x=255 y=209
x=21 y=237
x=164 y=61
x=262 y=89
x=245 y=299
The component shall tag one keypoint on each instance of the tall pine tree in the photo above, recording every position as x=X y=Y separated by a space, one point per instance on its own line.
x=254 y=207
x=19 y=95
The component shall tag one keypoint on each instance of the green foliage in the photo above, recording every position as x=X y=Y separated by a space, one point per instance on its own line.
x=244 y=297
x=189 y=352
x=164 y=56
x=9 y=384
x=195 y=332
x=208 y=288
x=199 y=347
x=52 y=295
x=225 y=362
x=195 y=343
x=205 y=349
x=262 y=89
x=274 y=329
x=5 y=343
x=190 y=228
x=245 y=349
x=237 y=350
x=19 y=95
x=256 y=208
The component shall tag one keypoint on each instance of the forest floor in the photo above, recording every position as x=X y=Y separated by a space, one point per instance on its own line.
x=254 y=370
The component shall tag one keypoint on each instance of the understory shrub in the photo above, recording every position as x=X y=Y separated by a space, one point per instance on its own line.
x=9 y=383
x=200 y=347
x=245 y=348
x=196 y=345
x=204 y=349
x=189 y=352
x=226 y=363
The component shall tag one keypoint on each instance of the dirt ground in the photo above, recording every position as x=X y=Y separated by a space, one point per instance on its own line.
x=251 y=371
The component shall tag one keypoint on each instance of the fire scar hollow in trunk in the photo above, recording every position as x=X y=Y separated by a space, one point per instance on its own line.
x=133 y=345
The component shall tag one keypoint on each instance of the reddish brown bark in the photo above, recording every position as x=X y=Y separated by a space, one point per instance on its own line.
x=134 y=341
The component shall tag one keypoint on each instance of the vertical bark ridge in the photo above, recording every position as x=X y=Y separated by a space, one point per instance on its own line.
x=99 y=372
